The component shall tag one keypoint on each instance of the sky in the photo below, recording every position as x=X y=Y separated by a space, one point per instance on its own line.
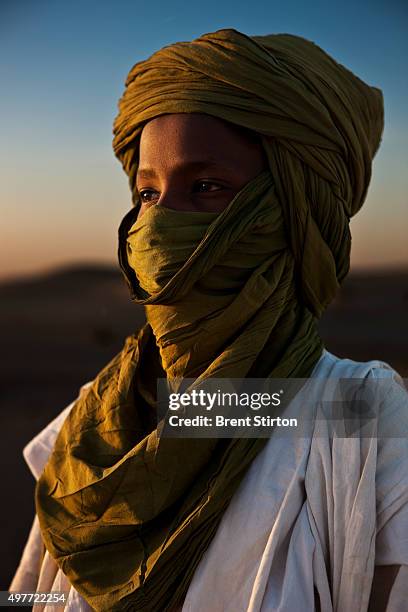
x=62 y=71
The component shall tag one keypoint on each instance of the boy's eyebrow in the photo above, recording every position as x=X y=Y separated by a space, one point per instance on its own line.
x=147 y=172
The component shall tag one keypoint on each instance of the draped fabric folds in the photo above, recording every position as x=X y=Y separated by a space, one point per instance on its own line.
x=127 y=513
x=321 y=124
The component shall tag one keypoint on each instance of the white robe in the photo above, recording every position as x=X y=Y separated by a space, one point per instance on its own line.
x=311 y=513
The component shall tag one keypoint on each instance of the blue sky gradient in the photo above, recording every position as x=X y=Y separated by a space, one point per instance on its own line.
x=63 y=67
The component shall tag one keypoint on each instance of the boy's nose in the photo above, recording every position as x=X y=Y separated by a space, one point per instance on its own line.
x=175 y=200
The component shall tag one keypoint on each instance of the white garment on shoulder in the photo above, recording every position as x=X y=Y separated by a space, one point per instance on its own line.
x=314 y=512
x=38 y=571
x=307 y=513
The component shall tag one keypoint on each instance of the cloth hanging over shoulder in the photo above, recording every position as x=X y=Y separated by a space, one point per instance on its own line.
x=113 y=488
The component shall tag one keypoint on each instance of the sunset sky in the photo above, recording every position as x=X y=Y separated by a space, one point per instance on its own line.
x=63 y=67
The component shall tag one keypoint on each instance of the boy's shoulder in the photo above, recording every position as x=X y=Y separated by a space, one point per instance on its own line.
x=332 y=366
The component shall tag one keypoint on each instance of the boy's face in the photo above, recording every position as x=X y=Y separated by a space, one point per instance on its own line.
x=195 y=162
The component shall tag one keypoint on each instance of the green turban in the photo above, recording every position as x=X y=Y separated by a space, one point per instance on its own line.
x=321 y=124
x=127 y=513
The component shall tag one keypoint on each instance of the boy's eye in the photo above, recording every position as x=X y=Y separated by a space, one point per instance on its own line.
x=210 y=184
x=146 y=195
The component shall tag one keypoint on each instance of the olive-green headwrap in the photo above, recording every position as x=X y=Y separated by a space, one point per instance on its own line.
x=322 y=125
x=128 y=514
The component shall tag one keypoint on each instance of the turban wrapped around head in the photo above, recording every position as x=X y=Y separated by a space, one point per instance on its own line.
x=321 y=127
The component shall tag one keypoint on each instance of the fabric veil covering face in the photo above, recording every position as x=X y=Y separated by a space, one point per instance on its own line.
x=128 y=514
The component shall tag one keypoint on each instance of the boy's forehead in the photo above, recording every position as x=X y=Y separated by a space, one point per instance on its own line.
x=192 y=137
